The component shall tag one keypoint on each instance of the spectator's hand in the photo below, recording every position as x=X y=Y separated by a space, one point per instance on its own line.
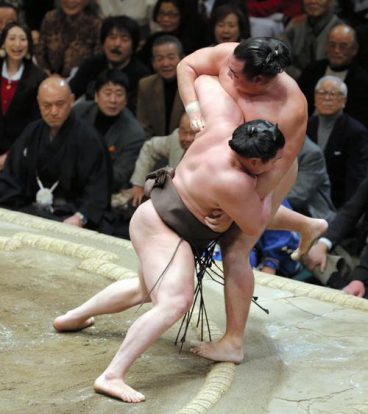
x=317 y=256
x=219 y=221
x=137 y=195
x=74 y=220
x=2 y=161
x=355 y=288
x=194 y=112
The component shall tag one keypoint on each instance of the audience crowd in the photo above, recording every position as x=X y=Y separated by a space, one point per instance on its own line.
x=89 y=105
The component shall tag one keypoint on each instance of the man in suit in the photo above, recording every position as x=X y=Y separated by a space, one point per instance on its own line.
x=345 y=220
x=341 y=51
x=343 y=139
x=159 y=106
x=307 y=34
x=311 y=192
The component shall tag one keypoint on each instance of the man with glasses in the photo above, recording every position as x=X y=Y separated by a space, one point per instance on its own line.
x=343 y=139
x=341 y=51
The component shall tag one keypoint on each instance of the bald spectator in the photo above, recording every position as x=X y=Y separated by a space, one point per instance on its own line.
x=307 y=34
x=171 y=147
x=58 y=167
x=341 y=51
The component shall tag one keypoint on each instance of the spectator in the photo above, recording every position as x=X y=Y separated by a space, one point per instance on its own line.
x=343 y=139
x=58 y=167
x=8 y=14
x=307 y=34
x=119 y=39
x=139 y=10
x=273 y=250
x=171 y=18
x=266 y=8
x=171 y=147
x=19 y=83
x=68 y=35
x=341 y=51
x=34 y=12
x=311 y=192
x=228 y=24
x=346 y=219
x=161 y=115
x=120 y=130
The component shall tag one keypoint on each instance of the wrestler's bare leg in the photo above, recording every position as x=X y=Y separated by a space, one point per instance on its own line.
x=116 y=297
x=310 y=229
x=171 y=297
x=239 y=283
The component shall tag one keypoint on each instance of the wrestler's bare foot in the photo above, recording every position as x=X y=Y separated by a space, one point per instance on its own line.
x=116 y=388
x=220 y=351
x=310 y=234
x=69 y=322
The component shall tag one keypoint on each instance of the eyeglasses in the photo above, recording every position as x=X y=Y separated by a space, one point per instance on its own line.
x=331 y=94
x=342 y=46
x=171 y=15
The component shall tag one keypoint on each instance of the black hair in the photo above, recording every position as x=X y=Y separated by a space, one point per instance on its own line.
x=257 y=139
x=6 y=5
x=26 y=30
x=179 y=4
x=164 y=39
x=263 y=56
x=123 y=24
x=114 y=76
x=221 y=12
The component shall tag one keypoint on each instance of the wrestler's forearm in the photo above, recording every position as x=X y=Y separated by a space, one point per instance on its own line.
x=186 y=76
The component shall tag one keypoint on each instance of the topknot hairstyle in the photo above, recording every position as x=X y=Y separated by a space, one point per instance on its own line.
x=263 y=56
x=257 y=139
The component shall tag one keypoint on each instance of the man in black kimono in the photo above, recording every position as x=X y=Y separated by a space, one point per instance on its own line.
x=58 y=168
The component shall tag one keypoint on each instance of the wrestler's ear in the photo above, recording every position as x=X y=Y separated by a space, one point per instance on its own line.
x=259 y=80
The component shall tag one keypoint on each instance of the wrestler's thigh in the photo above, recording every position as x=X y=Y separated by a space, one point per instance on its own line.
x=160 y=253
x=236 y=246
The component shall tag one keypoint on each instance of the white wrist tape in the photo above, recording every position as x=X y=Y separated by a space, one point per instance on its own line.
x=192 y=107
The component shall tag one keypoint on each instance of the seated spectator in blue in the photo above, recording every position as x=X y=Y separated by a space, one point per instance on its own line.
x=58 y=168
x=273 y=250
x=119 y=39
x=228 y=24
x=20 y=79
x=161 y=115
x=121 y=132
x=343 y=139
